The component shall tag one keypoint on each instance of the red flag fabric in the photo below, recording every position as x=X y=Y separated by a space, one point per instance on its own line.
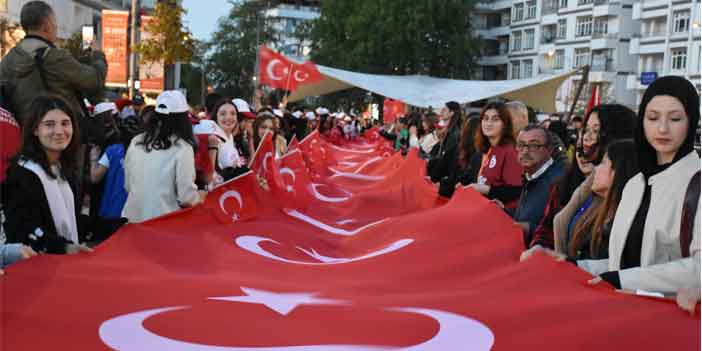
x=293 y=145
x=373 y=261
x=393 y=109
x=594 y=99
x=278 y=72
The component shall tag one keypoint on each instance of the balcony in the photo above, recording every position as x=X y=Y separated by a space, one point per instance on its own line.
x=494 y=60
x=548 y=38
x=604 y=8
x=602 y=64
x=604 y=41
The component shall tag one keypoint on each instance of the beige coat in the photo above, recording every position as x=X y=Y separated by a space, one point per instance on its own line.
x=662 y=267
x=562 y=219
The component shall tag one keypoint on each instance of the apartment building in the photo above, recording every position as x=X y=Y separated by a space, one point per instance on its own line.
x=667 y=42
x=532 y=38
x=285 y=18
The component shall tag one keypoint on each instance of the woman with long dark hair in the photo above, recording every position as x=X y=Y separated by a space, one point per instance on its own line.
x=230 y=161
x=591 y=234
x=654 y=244
x=500 y=175
x=468 y=159
x=160 y=163
x=442 y=167
x=38 y=194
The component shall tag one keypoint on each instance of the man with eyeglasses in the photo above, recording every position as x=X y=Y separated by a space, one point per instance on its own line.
x=534 y=149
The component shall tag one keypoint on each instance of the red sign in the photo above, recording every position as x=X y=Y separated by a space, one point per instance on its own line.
x=151 y=75
x=278 y=72
x=115 y=26
x=393 y=109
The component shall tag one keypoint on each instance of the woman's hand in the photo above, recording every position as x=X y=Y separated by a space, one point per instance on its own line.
x=528 y=253
x=72 y=249
x=481 y=188
x=687 y=299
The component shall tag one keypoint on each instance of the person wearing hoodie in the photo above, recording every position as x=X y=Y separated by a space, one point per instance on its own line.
x=37 y=66
x=654 y=243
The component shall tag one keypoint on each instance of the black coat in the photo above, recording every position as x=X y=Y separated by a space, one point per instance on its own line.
x=26 y=208
x=442 y=166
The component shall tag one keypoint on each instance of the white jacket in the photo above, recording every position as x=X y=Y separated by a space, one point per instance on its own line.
x=158 y=182
x=662 y=267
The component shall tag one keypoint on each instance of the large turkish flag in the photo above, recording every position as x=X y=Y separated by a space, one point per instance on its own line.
x=277 y=71
x=362 y=255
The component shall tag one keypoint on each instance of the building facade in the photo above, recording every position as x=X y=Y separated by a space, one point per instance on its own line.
x=533 y=38
x=286 y=18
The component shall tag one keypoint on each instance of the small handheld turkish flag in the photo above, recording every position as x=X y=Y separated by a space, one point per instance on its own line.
x=278 y=72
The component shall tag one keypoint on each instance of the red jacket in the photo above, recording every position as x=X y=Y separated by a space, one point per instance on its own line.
x=501 y=168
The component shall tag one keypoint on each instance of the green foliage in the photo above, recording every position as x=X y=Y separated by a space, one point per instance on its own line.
x=232 y=55
x=428 y=37
x=170 y=41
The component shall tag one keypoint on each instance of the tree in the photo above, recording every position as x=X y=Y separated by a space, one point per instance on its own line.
x=232 y=54
x=170 y=40
x=395 y=37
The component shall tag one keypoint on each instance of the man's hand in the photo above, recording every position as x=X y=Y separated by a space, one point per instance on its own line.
x=481 y=188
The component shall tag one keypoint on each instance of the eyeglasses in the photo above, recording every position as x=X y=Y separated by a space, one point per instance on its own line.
x=529 y=147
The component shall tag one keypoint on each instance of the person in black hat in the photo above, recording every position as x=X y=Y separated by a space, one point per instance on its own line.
x=655 y=239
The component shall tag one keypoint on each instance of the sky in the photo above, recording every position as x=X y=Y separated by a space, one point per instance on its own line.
x=202 y=16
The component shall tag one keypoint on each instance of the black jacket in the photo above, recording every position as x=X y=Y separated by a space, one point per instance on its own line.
x=27 y=208
x=443 y=166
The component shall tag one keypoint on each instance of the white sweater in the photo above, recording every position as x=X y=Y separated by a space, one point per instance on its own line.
x=158 y=182
x=662 y=267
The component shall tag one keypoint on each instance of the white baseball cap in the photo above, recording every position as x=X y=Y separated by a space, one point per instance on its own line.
x=278 y=113
x=171 y=101
x=310 y=116
x=243 y=107
x=104 y=107
x=298 y=114
x=322 y=111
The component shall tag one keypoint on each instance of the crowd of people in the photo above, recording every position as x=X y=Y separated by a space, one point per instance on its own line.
x=615 y=193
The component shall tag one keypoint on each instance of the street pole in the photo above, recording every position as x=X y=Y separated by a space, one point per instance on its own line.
x=258 y=49
x=132 y=43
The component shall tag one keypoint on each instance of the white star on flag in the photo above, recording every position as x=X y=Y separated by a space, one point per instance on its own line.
x=282 y=303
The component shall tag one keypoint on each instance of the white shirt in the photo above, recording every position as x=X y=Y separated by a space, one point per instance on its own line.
x=228 y=154
x=541 y=170
x=159 y=181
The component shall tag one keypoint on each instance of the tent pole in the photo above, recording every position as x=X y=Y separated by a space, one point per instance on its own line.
x=586 y=74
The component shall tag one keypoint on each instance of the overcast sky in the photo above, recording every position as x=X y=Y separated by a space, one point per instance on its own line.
x=202 y=16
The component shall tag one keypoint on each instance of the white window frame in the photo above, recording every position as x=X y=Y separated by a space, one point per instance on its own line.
x=559 y=59
x=518 y=12
x=582 y=57
x=562 y=28
x=562 y=4
x=529 y=39
x=585 y=2
x=583 y=26
x=530 y=9
x=681 y=21
x=528 y=73
x=601 y=26
x=515 y=69
x=678 y=59
x=516 y=41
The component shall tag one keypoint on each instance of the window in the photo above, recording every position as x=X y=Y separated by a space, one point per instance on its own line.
x=516 y=41
x=601 y=25
x=563 y=4
x=559 y=58
x=681 y=21
x=582 y=57
x=528 y=68
x=529 y=44
x=678 y=59
x=583 y=26
x=562 y=28
x=531 y=9
x=584 y=2
x=518 y=12
x=515 y=69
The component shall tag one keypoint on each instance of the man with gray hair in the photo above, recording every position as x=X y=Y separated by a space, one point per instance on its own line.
x=520 y=116
x=37 y=66
x=534 y=148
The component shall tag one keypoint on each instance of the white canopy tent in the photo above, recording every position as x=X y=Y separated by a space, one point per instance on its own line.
x=424 y=91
